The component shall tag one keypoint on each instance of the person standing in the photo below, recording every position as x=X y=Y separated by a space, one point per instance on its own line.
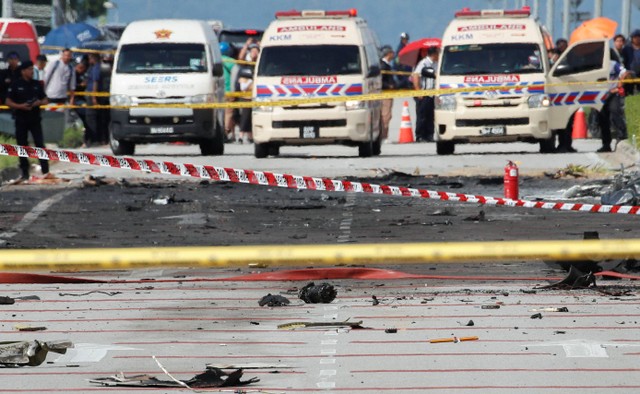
x=631 y=57
x=60 y=80
x=9 y=75
x=245 y=84
x=228 y=64
x=424 y=79
x=38 y=69
x=388 y=83
x=24 y=97
x=613 y=109
x=94 y=78
x=402 y=81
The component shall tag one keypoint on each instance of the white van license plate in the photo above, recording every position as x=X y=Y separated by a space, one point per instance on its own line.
x=162 y=130
x=309 y=132
x=493 y=130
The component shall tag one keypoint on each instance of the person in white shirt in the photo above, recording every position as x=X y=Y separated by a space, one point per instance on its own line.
x=38 y=70
x=60 y=79
x=424 y=79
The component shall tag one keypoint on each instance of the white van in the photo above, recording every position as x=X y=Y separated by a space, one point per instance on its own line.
x=166 y=62
x=492 y=48
x=309 y=54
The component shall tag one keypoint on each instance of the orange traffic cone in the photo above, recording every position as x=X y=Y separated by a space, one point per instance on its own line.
x=406 y=130
x=579 y=131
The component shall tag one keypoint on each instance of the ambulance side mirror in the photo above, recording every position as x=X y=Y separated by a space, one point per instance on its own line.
x=428 y=72
x=562 y=69
x=217 y=69
x=374 y=71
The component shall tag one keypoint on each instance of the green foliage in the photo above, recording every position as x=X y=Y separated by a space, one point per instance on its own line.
x=7 y=161
x=72 y=137
x=88 y=8
x=632 y=112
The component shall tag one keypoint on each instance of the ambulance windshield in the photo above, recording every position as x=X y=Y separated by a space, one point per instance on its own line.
x=162 y=58
x=318 y=60
x=491 y=59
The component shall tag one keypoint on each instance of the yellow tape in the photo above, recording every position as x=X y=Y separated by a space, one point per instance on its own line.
x=388 y=94
x=238 y=61
x=396 y=72
x=79 y=50
x=317 y=255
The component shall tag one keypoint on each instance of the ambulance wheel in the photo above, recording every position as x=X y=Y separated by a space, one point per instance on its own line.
x=365 y=149
x=274 y=150
x=212 y=147
x=445 y=147
x=377 y=144
x=548 y=145
x=261 y=150
x=121 y=147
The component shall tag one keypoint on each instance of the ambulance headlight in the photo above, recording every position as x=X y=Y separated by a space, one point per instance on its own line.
x=201 y=99
x=263 y=108
x=354 y=104
x=445 y=103
x=120 y=100
x=539 y=101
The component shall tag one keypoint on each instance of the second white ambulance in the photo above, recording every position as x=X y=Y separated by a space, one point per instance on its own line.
x=307 y=54
x=508 y=49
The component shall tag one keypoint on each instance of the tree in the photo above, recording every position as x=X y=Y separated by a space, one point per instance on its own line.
x=84 y=9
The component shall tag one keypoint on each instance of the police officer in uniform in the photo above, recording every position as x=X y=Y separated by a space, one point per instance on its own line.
x=10 y=74
x=24 y=97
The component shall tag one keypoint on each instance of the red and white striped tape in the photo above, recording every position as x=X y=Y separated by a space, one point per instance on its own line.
x=267 y=178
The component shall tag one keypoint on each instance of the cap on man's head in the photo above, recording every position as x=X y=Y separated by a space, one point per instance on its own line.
x=635 y=33
x=42 y=58
x=404 y=35
x=25 y=65
x=13 y=55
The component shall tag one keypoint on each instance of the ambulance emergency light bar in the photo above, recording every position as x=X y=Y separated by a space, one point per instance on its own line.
x=466 y=12
x=352 y=13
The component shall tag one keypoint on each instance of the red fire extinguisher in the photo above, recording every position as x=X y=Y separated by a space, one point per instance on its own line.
x=511 y=181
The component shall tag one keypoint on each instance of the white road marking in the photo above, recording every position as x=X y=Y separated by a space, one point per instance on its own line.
x=189 y=218
x=582 y=347
x=32 y=215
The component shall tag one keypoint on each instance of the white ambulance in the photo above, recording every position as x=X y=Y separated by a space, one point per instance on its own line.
x=307 y=54
x=491 y=48
x=167 y=62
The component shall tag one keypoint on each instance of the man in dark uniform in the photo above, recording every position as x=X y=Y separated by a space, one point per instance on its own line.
x=10 y=74
x=24 y=97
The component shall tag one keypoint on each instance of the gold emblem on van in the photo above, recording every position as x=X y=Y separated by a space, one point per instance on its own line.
x=163 y=33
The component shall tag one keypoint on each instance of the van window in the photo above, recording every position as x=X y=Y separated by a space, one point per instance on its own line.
x=491 y=59
x=582 y=58
x=310 y=60
x=162 y=58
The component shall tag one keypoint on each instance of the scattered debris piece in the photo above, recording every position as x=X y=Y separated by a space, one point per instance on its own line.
x=4 y=300
x=91 y=180
x=491 y=306
x=28 y=298
x=470 y=323
x=109 y=293
x=480 y=217
x=559 y=332
x=33 y=353
x=211 y=377
x=391 y=330
x=375 y=300
x=24 y=327
x=537 y=316
x=453 y=339
x=525 y=291
x=346 y=323
x=561 y=309
x=274 y=300
x=323 y=293
x=576 y=279
x=255 y=323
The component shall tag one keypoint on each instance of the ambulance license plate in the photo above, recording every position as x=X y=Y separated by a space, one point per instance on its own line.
x=493 y=130
x=309 y=132
x=162 y=130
